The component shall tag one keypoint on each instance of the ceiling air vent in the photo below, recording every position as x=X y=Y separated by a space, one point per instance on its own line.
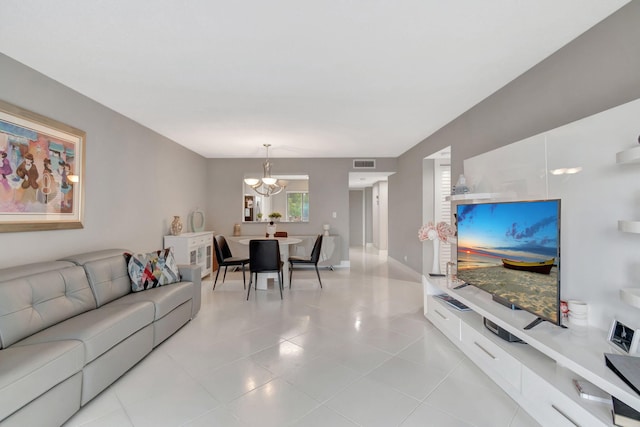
x=364 y=164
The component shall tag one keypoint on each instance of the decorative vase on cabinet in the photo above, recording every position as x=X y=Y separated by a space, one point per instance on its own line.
x=176 y=226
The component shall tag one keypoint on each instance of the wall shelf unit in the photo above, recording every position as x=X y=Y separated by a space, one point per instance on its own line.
x=631 y=296
x=631 y=155
x=538 y=375
x=473 y=196
x=629 y=226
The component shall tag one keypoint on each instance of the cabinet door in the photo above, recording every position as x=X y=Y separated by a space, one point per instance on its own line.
x=200 y=256
x=209 y=257
x=192 y=257
x=443 y=318
x=557 y=408
x=489 y=356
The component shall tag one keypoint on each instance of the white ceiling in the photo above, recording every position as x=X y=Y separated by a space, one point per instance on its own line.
x=315 y=78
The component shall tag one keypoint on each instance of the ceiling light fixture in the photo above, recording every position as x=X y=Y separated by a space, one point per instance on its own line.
x=267 y=186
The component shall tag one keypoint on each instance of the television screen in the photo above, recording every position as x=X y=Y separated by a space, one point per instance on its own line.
x=512 y=251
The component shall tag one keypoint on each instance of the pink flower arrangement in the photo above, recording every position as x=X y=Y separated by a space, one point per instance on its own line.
x=441 y=231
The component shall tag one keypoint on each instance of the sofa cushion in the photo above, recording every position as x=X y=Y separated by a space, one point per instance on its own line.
x=35 y=302
x=107 y=273
x=87 y=257
x=27 y=372
x=99 y=329
x=31 y=269
x=165 y=299
x=152 y=269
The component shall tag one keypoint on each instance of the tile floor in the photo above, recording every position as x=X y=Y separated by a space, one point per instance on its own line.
x=357 y=353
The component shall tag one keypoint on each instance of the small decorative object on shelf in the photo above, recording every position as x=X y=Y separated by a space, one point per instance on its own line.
x=441 y=232
x=326 y=228
x=271 y=229
x=176 y=226
x=461 y=186
x=237 y=230
x=275 y=216
x=564 y=309
x=196 y=220
x=588 y=391
x=624 y=337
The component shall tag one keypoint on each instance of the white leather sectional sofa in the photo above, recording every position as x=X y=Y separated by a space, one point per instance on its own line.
x=70 y=328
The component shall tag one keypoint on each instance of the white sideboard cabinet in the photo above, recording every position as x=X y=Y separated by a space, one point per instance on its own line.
x=538 y=375
x=193 y=248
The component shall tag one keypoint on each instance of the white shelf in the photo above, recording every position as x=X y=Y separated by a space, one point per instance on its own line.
x=629 y=226
x=631 y=155
x=473 y=196
x=631 y=296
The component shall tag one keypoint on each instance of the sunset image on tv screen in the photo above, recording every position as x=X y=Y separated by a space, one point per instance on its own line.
x=511 y=250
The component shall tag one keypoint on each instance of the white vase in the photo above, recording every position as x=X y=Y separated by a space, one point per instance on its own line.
x=271 y=231
x=435 y=269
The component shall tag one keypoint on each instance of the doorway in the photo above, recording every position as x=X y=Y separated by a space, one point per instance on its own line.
x=368 y=209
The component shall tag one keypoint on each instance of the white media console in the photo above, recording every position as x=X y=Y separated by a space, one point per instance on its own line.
x=537 y=375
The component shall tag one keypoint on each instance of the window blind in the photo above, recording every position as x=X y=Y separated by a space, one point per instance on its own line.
x=442 y=190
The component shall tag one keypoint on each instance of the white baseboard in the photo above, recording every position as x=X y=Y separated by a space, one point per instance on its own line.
x=397 y=264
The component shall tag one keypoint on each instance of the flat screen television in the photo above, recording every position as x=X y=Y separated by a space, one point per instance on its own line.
x=512 y=251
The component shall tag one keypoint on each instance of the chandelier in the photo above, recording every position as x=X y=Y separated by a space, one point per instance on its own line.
x=267 y=186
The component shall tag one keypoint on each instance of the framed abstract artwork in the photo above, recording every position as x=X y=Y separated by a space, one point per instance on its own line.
x=41 y=172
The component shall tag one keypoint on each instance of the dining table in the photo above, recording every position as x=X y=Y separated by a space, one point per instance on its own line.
x=283 y=243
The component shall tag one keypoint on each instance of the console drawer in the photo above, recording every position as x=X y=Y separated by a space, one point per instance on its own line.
x=443 y=318
x=489 y=355
x=554 y=406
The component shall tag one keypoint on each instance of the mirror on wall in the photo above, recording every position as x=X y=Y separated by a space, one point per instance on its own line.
x=292 y=203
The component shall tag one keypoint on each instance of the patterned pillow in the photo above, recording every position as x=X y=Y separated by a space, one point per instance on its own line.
x=152 y=269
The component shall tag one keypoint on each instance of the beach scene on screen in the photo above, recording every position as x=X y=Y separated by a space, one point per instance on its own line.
x=511 y=250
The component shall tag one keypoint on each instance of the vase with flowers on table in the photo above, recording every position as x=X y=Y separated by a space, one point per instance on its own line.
x=440 y=232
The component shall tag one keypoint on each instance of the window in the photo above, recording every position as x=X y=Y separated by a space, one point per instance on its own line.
x=297 y=206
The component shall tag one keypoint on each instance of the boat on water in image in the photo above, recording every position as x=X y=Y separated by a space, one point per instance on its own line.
x=542 y=267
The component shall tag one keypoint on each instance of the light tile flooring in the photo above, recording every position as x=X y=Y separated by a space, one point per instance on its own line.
x=357 y=353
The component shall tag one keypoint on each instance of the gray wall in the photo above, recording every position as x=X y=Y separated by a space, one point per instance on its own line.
x=368 y=215
x=597 y=71
x=328 y=193
x=135 y=179
x=356 y=217
x=380 y=215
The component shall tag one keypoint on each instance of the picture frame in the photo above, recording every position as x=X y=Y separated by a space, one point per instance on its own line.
x=42 y=169
x=624 y=338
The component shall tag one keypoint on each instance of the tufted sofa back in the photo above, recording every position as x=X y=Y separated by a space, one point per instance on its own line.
x=36 y=296
x=107 y=273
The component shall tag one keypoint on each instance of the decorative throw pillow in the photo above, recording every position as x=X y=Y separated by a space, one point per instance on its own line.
x=152 y=269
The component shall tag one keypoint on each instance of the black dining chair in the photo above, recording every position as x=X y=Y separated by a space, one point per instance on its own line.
x=225 y=259
x=264 y=257
x=312 y=259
